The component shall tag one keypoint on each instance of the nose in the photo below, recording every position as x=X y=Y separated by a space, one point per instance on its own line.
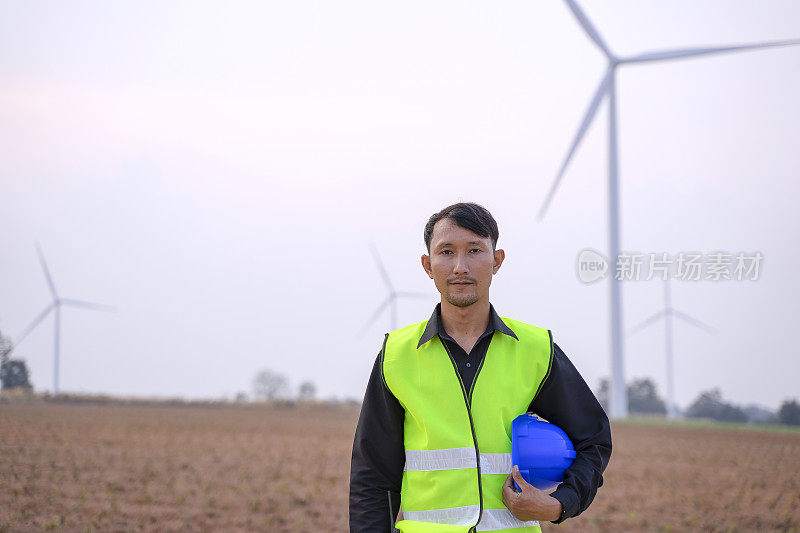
x=460 y=267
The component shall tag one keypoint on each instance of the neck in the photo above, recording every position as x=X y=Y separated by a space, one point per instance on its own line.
x=465 y=321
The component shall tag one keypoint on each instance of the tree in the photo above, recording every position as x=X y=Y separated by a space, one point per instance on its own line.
x=642 y=396
x=711 y=405
x=306 y=392
x=13 y=372
x=5 y=347
x=269 y=385
x=789 y=413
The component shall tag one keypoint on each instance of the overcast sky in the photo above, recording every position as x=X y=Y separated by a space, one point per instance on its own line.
x=217 y=172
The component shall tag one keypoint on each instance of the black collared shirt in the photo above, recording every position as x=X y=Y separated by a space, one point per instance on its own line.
x=378 y=459
x=467 y=363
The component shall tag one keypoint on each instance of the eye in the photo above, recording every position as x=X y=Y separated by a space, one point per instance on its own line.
x=446 y=252
x=476 y=250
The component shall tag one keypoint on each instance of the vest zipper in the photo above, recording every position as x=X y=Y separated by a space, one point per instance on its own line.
x=468 y=402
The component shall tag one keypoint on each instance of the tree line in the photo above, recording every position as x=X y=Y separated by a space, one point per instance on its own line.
x=273 y=386
x=643 y=399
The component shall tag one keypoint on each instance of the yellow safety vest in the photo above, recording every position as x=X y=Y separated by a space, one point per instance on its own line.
x=458 y=441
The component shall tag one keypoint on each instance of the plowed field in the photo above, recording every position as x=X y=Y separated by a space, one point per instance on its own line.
x=248 y=468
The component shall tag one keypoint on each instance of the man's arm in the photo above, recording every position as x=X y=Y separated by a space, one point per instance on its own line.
x=376 y=467
x=566 y=401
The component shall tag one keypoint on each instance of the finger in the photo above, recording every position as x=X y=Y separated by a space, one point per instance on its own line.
x=508 y=490
x=508 y=495
x=518 y=478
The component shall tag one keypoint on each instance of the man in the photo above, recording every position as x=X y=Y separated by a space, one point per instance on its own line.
x=434 y=435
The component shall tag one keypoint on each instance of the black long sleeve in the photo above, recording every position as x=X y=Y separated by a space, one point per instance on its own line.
x=567 y=401
x=376 y=466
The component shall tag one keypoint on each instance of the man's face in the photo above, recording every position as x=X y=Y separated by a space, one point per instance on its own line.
x=461 y=263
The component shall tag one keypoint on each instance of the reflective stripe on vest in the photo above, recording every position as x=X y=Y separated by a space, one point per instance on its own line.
x=491 y=520
x=458 y=441
x=456 y=458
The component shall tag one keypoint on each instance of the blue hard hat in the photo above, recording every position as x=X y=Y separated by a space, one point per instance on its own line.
x=541 y=450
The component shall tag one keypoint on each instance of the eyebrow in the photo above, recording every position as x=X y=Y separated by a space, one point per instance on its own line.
x=451 y=244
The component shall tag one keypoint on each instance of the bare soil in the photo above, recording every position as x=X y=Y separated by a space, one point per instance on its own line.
x=257 y=468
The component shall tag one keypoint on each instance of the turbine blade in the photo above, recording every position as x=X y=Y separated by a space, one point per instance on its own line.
x=694 y=322
x=32 y=325
x=646 y=322
x=588 y=27
x=382 y=270
x=587 y=120
x=88 y=305
x=376 y=314
x=46 y=271
x=406 y=294
x=690 y=52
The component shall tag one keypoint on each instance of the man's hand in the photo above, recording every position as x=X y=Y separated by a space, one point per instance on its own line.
x=531 y=503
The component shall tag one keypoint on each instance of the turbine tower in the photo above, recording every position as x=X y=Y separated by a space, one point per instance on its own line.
x=667 y=313
x=55 y=307
x=391 y=299
x=607 y=87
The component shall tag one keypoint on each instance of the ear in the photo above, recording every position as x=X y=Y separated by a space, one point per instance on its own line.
x=426 y=265
x=499 y=257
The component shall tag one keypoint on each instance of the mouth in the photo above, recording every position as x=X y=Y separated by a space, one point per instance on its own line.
x=461 y=283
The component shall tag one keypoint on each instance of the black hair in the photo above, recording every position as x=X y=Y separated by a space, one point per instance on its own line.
x=467 y=215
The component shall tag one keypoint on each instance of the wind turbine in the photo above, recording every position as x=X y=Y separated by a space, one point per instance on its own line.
x=391 y=299
x=667 y=313
x=607 y=87
x=55 y=307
